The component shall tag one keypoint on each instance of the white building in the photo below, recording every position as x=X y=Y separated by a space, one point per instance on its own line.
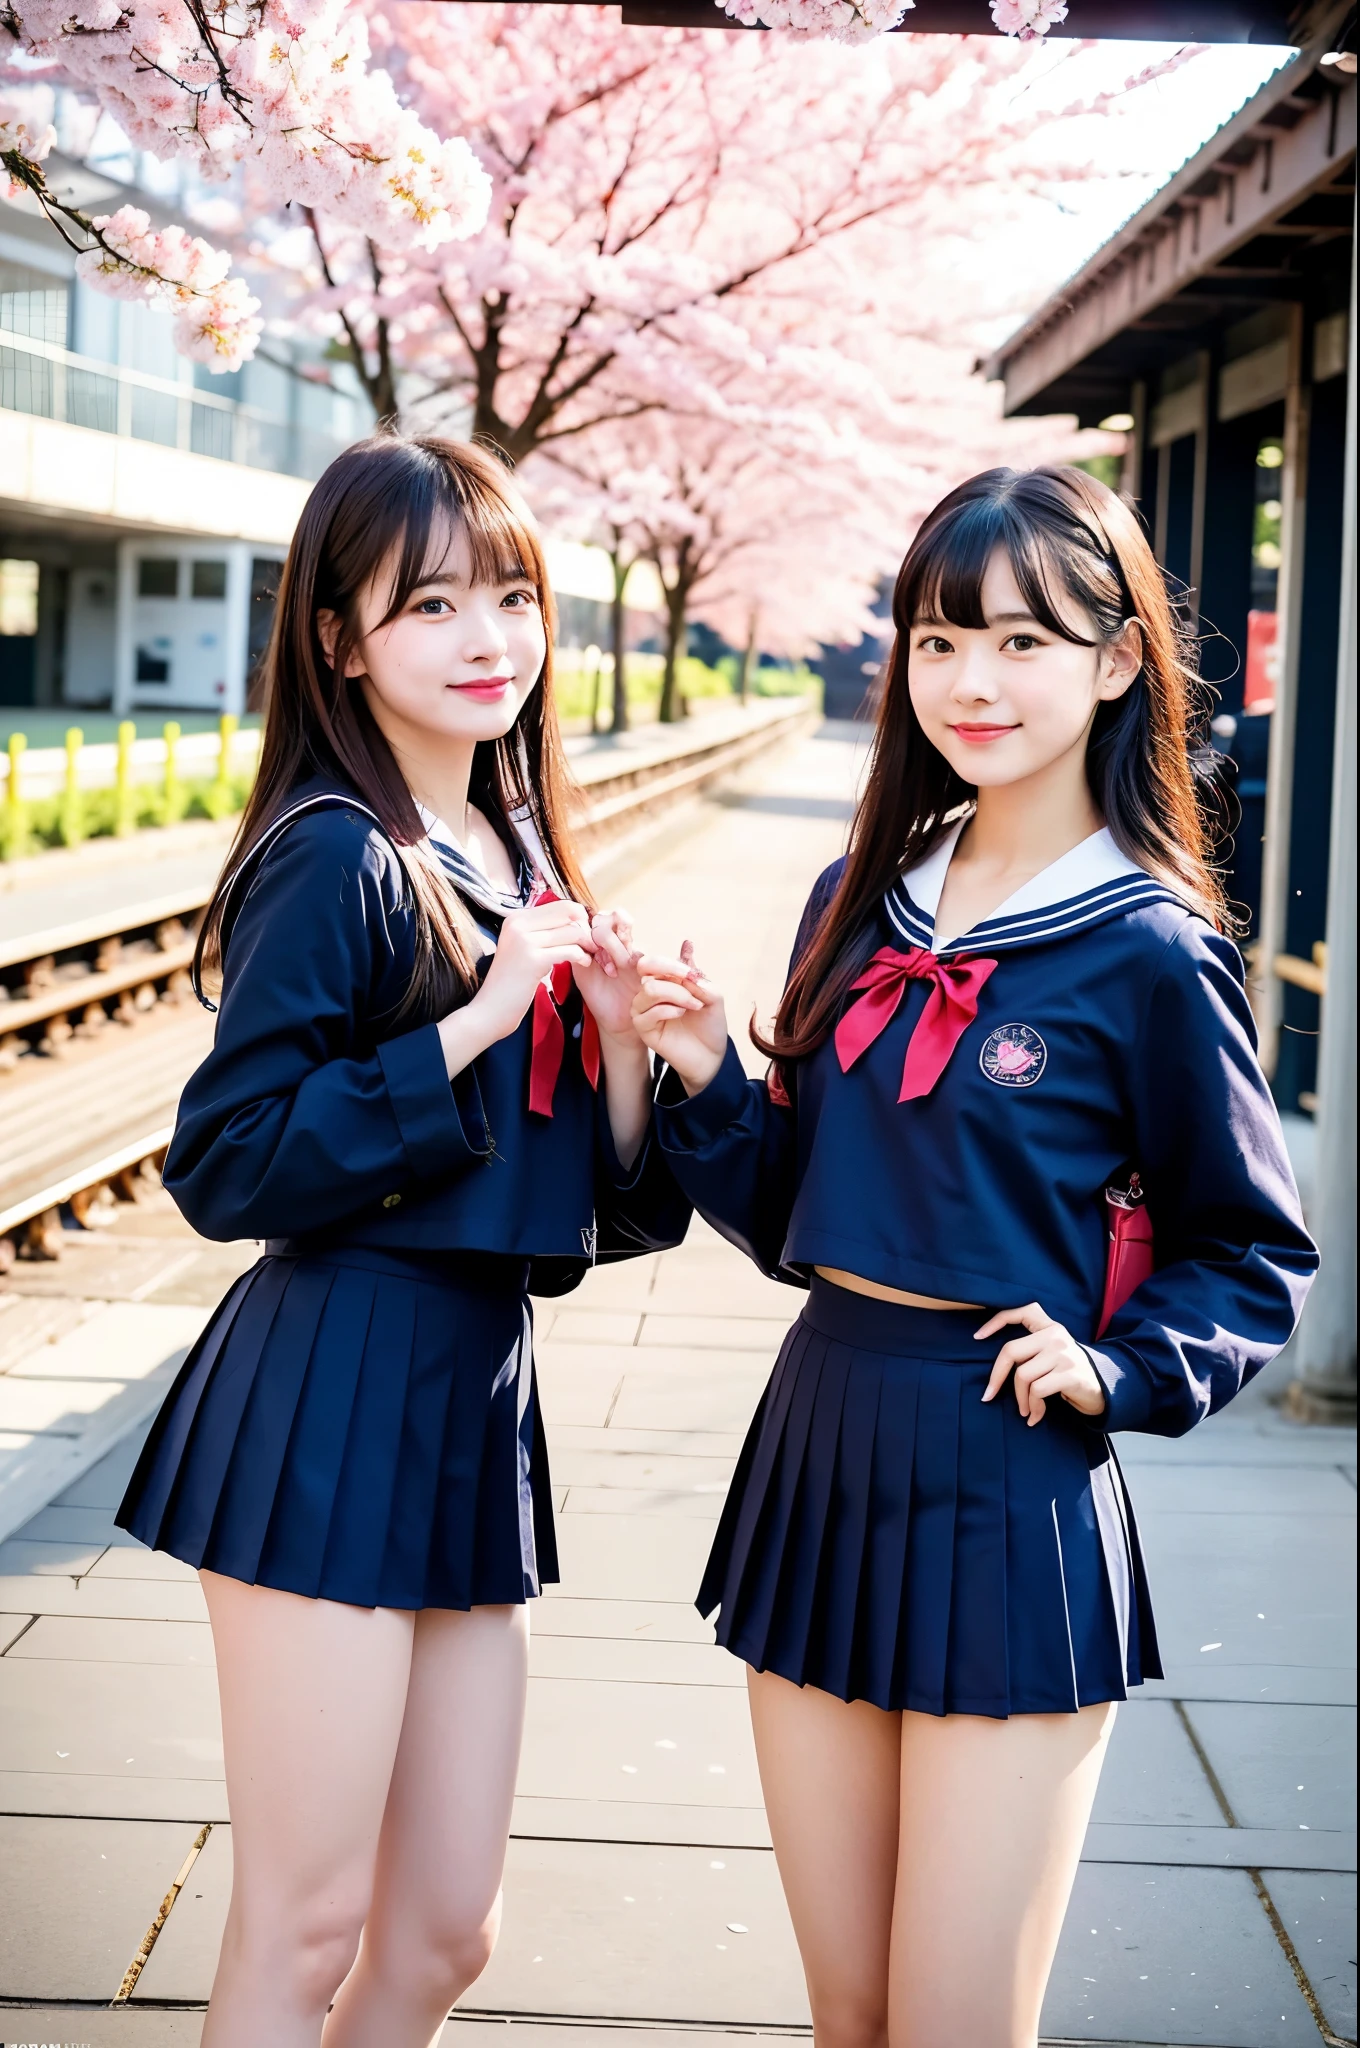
x=145 y=504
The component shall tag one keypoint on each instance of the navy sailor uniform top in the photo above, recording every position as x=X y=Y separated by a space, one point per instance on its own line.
x=318 y=1120
x=1112 y=1033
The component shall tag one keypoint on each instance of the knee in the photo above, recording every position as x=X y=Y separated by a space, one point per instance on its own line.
x=453 y=1948
x=303 y=1949
x=849 y=2016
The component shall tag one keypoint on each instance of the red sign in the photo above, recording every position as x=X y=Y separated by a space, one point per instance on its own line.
x=1263 y=661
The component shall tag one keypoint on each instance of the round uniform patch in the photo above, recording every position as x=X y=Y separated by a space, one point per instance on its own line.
x=1014 y=1056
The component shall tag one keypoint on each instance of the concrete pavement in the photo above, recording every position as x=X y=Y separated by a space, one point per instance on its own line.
x=1215 y=1904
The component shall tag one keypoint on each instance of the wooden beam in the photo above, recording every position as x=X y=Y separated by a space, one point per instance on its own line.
x=1198 y=21
x=1156 y=256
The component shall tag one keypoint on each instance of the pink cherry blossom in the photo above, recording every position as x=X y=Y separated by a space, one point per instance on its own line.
x=1028 y=19
x=841 y=21
x=215 y=317
x=21 y=136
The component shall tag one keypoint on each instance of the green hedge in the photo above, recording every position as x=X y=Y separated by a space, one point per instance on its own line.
x=49 y=820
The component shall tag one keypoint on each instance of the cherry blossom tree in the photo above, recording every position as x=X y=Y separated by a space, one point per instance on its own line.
x=642 y=179
x=647 y=185
x=777 y=521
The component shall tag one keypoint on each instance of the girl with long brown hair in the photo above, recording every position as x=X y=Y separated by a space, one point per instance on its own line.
x=1013 y=1031
x=425 y=1095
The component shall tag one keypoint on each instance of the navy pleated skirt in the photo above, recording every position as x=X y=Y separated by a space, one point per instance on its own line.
x=359 y=1426
x=890 y=1538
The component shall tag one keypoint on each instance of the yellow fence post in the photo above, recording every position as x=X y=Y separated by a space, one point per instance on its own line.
x=171 y=805
x=219 y=797
x=14 y=824
x=124 y=808
x=71 y=824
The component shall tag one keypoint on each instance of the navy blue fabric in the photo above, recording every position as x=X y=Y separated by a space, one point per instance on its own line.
x=993 y=1193
x=889 y=1537
x=315 y=1118
x=359 y=1426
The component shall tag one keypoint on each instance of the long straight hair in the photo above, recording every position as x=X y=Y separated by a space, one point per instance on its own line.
x=389 y=506
x=1068 y=537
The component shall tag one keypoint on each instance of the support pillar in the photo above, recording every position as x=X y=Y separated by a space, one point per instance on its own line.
x=124 y=652
x=1323 y=1389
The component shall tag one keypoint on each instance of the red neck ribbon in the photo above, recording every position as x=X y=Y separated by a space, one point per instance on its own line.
x=950 y=1008
x=549 y=1032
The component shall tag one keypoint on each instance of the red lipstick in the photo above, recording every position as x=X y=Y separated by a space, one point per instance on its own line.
x=977 y=735
x=488 y=691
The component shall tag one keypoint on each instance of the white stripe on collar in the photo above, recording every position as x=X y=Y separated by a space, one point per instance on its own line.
x=1087 y=883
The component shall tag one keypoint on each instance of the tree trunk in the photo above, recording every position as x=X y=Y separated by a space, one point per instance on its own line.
x=618 y=634
x=750 y=660
x=677 y=634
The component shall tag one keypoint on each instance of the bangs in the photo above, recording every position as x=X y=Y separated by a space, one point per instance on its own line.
x=944 y=572
x=434 y=509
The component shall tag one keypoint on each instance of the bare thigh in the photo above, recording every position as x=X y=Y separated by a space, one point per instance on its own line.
x=993 y=1816
x=313 y=1694
x=436 y=1894
x=830 y=1776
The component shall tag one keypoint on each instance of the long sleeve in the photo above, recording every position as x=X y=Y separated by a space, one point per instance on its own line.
x=291 y=1124
x=638 y=1208
x=1234 y=1260
x=734 y=1152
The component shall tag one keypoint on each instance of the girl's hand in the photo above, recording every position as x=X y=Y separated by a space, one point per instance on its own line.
x=611 y=982
x=531 y=944
x=1046 y=1363
x=680 y=1015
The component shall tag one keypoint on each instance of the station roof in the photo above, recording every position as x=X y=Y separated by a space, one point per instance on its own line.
x=1252 y=219
x=1198 y=21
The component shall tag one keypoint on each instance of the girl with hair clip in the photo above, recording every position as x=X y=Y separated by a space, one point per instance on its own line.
x=1013 y=995
x=426 y=1096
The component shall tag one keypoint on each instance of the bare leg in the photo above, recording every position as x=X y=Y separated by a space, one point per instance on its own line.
x=436 y=1896
x=830 y=1777
x=313 y=1695
x=993 y=1816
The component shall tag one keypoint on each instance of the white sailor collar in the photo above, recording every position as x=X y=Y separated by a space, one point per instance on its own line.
x=1093 y=881
x=472 y=882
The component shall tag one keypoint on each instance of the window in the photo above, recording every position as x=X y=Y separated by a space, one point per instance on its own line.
x=34 y=303
x=18 y=598
x=209 y=579
x=157 y=576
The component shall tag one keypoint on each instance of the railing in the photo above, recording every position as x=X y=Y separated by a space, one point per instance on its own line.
x=1307 y=974
x=48 y=382
x=176 y=768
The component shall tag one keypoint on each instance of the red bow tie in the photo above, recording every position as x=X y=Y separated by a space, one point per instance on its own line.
x=950 y=1008
x=549 y=1034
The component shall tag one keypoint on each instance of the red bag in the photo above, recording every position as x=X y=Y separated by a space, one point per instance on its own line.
x=1129 y=1259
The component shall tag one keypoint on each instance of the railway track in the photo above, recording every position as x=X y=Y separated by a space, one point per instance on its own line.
x=99 y=1028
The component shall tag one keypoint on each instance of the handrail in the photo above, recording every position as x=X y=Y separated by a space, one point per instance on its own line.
x=72 y=396
x=1306 y=974
x=145 y=380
